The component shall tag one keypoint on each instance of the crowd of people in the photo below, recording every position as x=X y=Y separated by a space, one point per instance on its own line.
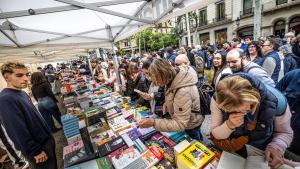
x=254 y=100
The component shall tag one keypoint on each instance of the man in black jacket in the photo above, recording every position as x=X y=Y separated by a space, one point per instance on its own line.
x=21 y=120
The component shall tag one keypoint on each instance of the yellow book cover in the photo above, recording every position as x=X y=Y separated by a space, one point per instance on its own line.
x=195 y=157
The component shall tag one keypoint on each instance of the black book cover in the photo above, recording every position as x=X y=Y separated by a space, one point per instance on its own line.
x=111 y=146
x=87 y=141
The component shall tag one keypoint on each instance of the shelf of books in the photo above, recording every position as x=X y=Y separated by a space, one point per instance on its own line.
x=101 y=131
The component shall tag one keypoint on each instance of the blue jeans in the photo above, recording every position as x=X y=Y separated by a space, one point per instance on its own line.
x=195 y=133
x=48 y=108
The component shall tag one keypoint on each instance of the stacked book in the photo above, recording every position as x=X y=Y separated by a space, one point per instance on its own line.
x=118 y=124
x=70 y=125
x=194 y=157
x=176 y=136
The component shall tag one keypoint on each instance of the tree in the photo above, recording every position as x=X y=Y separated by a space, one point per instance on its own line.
x=153 y=41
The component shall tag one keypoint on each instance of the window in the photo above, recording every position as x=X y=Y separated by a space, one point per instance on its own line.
x=126 y=44
x=295 y=25
x=245 y=32
x=220 y=11
x=279 y=2
x=202 y=17
x=204 y=38
x=247 y=7
x=221 y=36
x=279 y=28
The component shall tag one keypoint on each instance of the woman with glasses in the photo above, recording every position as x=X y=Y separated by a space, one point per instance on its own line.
x=246 y=111
x=254 y=52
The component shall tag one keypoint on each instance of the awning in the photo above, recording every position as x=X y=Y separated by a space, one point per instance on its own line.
x=46 y=30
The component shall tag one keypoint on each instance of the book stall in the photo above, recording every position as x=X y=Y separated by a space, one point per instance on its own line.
x=102 y=133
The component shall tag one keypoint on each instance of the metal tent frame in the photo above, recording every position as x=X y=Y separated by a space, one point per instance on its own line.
x=26 y=34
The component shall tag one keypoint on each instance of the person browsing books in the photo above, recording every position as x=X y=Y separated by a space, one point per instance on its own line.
x=246 y=111
x=181 y=99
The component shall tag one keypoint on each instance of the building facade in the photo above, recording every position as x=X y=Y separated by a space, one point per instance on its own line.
x=130 y=44
x=218 y=21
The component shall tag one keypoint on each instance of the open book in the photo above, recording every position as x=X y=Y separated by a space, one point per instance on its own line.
x=231 y=161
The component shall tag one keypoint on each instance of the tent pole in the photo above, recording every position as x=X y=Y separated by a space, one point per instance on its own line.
x=116 y=64
x=140 y=44
x=187 y=20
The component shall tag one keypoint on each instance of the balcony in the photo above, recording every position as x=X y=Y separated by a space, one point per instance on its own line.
x=271 y=6
x=219 y=18
x=202 y=23
x=247 y=12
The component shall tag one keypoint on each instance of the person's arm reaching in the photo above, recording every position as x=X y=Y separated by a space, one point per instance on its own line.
x=180 y=120
x=282 y=137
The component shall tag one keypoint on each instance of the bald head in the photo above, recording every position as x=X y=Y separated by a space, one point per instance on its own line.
x=234 y=60
x=182 y=59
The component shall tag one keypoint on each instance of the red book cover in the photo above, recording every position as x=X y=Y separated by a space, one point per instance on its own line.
x=156 y=152
x=169 y=141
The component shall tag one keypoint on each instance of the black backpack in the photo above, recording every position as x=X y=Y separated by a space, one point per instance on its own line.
x=205 y=93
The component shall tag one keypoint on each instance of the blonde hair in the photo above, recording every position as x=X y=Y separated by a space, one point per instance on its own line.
x=10 y=65
x=161 y=69
x=234 y=91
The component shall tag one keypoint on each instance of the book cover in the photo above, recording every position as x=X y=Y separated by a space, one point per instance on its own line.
x=139 y=163
x=72 y=147
x=149 y=158
x=110 y=146
x=104 y=163
x=103 y=137
x=123 y=157
x=139 y=145
x=147 y=132
x=195 y=157
x=74 y=139
x=92 y=164
x=134 y=134
x=167 y=151
x=180 y=147
x=156 y=152
x=164 y=164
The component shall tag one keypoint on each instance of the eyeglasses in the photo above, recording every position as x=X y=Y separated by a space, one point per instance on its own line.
x=252 y=46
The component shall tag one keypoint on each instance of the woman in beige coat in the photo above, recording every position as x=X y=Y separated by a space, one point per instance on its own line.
x=181 y=99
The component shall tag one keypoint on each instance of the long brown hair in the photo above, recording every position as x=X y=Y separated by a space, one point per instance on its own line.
x=161 y=69
x=37 y=78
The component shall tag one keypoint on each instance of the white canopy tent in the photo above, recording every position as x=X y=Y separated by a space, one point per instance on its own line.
x=48 y=30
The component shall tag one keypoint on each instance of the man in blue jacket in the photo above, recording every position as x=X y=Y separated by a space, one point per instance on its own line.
x=21 y=120
x=289 y=86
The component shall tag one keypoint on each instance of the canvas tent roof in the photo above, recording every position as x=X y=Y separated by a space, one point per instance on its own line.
x=46 y=30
